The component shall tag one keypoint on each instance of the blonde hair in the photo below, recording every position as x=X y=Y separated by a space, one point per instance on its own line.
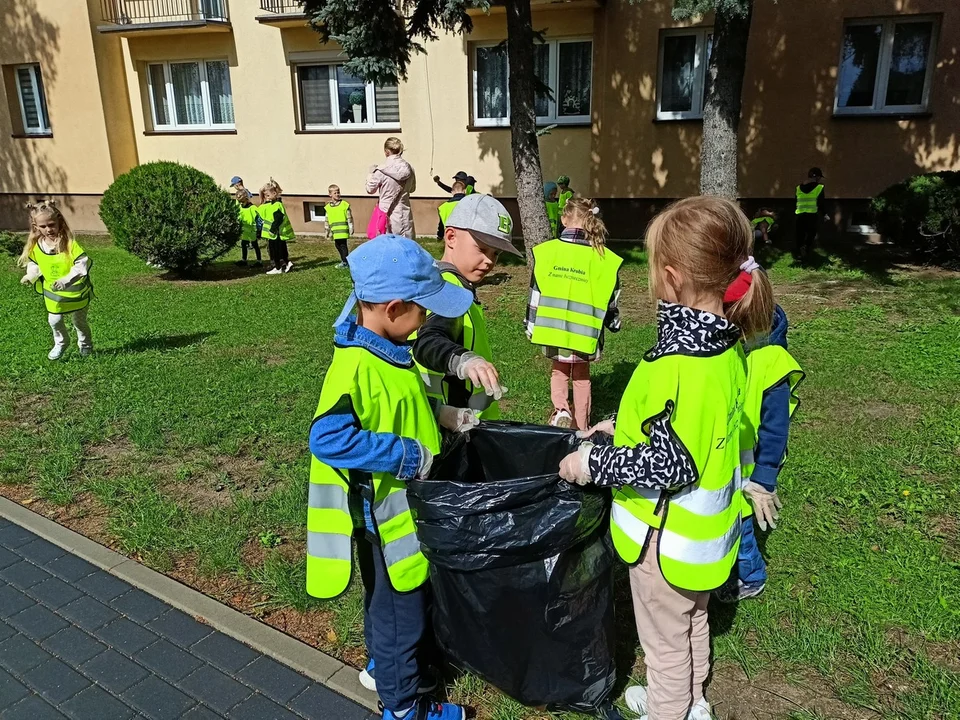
x=394 y=145
x=271 y=185
x=332 y=188
x=585 y=213
x=707 y=239
x=64 y=237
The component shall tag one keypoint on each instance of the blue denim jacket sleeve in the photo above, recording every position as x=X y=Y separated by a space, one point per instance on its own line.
x=337 y=440
x=772 y=435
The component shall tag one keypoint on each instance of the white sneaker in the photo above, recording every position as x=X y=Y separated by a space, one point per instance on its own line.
x=636 y=699
x=288 y=267
x=274 y=271
x=57 y=352
x=561 y=419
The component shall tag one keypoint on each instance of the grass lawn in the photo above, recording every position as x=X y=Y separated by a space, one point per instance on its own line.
x=182 y=443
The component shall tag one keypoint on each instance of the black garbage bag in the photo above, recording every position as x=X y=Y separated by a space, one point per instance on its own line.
x=521 y=564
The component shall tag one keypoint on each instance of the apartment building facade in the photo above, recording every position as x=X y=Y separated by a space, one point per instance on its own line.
x=868 y=90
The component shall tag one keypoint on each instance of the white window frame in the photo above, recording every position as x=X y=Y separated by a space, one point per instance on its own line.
x=36 y=80
x=335 y=125
x=174 y=125
x=700 y=61
x=883 y=66
x=317 y=213
x=553 y=81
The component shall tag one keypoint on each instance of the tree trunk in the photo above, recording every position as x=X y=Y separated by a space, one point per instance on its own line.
x=523 y=124
x=721 y=110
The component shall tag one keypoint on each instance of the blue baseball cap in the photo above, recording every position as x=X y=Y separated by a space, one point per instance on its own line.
x=391 y=267
x=235 y=180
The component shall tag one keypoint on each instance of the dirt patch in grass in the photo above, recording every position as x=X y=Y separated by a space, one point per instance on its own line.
x=85 y=514
x=26 y=412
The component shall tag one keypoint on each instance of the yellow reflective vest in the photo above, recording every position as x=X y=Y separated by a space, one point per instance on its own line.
x=807 y=201
x=767 y=367
x=248 y=222
x=563 y=199
x=699 y=524
x=267 y=211
x=385 y=398
x=575 y=283
x=53 y=267
x=476 y=340
x=553 y=214
x=338 y=220
x=445 y=209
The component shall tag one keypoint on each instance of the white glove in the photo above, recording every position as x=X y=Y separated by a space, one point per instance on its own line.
x=458 y=420
x=575 y=467
x=605 y=426
x=481 y=373
x=766 y=504
x=59 y=284
x=27 y=280
x=426 y=461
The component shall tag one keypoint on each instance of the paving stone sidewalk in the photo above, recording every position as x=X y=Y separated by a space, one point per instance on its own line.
x=77 y=642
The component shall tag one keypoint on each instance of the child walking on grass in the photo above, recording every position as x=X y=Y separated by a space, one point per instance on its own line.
x=250 y=225
x=674 y=462
x=277 y=230
x=59 y=269
x=574 y=289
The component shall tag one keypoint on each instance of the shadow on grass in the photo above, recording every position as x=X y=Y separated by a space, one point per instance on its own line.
x=164 y=343
x=607 y=389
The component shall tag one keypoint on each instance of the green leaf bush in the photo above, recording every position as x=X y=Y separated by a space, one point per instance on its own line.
x=922 y=214
x=172 y=215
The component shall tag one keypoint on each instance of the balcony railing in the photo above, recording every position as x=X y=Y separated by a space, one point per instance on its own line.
x=164 y=12
x=280 y=7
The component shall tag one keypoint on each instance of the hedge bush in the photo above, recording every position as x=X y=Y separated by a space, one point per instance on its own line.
x=170 y=214
x=922 y=214
x=12 y=243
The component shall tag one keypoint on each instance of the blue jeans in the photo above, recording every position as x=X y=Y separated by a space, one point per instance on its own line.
x=751 y=568
x=394 y=628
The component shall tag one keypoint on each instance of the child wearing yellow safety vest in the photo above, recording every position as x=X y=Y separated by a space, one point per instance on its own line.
x=553 y=207
x=574 y=288
x=763 y=221
x=339 y=223
x=674 y=463
x=459 y=191
x=454 y=354
x=250 y=225
x=772 y=380
x=564 y=192
x=811 y=205
x=276 y=230
x=374 y=429
x=59 y=269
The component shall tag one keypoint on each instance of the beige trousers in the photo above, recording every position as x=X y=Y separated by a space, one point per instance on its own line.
x=673 y=630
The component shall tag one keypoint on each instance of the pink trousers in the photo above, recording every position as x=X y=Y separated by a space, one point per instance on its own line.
x=560 y=390
x=673 y=630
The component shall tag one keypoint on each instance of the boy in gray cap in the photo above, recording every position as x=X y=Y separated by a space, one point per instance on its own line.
x=454 y=355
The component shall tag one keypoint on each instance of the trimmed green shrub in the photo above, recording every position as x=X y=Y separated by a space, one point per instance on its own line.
x=170 y=214
x=922 y=214
x=12 y=243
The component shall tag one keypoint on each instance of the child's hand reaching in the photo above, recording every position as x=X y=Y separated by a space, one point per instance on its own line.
x=456 y=419
x=26 y=280
x=607 y=427
x=575 y=467
x=59 y=284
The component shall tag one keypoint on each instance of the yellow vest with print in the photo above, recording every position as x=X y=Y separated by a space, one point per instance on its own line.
x=267 y=211
x=476 y=340
x=767 y=367
x=699 y=524
x=337 y=220
x=53 y=267
x=248 y=222
x=807 y=201
x=385 y=398
x=575 y=283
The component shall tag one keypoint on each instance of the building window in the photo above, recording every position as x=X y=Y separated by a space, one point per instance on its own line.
x=886 y=65
x=331 y=98
x=318 y=212
x=681 y=83
x=564 y=66
x=33 y=101
x=192 y=95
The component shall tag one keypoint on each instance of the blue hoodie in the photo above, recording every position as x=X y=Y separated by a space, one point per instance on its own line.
x=774 y=417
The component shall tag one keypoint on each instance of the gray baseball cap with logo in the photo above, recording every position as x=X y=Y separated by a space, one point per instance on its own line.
x=486 y=219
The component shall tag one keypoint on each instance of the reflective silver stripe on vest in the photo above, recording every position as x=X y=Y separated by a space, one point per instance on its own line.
x=61 y=298
x=698 y=552
x=393 y=505
x=324 y=496
x=634 y=528
x=433 y=382
x=572 y=306
x=702 y=502
x=480 y=400
x=747 y=457
x=567 y=326
x=329 y=546
x=400 y=549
